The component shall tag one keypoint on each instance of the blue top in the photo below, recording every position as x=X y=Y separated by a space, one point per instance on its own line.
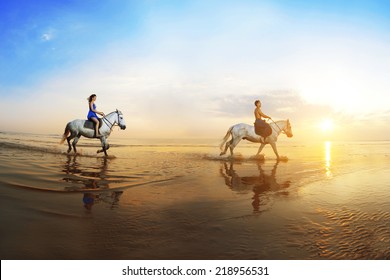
x=92 y=114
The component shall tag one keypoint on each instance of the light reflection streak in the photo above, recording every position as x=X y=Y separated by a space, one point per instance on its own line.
x=328 y=150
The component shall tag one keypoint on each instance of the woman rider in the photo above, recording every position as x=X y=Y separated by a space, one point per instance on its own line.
x=92 y=114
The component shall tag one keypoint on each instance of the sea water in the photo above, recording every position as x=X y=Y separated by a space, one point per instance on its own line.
x=164 y=199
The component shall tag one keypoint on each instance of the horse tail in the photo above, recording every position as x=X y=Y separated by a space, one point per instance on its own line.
x=66 y=133
x=228 y=133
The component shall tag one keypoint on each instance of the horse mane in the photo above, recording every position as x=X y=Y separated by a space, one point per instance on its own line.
x=113 y=112
x=279 y=121
x=277 y=124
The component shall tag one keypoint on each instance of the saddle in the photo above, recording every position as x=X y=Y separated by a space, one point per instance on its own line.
x=262 y=128
x=91 y=124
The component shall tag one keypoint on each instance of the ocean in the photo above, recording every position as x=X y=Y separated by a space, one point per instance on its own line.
x=178 y=199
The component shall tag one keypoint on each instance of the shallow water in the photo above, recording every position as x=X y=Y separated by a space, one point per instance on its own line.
x=163 y=200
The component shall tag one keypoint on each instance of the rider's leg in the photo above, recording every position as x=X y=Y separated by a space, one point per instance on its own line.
x=96 y=121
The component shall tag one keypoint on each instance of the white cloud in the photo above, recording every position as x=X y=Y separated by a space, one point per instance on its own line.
x=48 y=35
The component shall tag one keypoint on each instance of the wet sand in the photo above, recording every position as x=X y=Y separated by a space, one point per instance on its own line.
x=327 y=201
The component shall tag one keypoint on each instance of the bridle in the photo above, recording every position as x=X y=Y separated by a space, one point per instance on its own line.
x=280 y=130
x=111 y=125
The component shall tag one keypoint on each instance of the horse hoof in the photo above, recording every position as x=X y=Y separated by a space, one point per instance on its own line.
x=258 y=157
x=283 y=158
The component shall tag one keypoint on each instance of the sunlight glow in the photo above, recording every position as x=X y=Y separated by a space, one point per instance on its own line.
x=327 y=125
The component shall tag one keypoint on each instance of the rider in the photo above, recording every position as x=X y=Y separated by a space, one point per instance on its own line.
x=92 y=114
x=258 y=113
x=260 y=124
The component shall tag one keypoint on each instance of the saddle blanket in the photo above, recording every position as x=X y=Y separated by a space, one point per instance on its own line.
x=91 y=124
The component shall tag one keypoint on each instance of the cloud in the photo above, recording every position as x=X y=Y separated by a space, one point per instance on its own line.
x=47 y=37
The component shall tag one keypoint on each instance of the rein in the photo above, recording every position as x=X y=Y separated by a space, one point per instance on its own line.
x=281 y=130
x=105 y=120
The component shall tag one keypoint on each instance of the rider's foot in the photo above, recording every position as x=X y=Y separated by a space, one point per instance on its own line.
x=98 y=135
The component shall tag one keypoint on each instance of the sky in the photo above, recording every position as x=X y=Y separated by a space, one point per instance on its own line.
x=185 y=69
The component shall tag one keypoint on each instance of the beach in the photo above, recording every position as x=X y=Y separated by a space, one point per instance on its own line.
x=164 y=199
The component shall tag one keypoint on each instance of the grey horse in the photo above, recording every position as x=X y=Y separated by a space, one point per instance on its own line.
x=78 y=128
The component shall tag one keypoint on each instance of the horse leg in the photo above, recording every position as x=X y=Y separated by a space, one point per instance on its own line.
x=234 y=143
x=273 y=145
x=105 y=146
x=260 y=149
x=226 y=147
x=71 y=136
x=74 y=143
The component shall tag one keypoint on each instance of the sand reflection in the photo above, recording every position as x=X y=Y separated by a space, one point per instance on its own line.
x=90 y=177
x=263 y=184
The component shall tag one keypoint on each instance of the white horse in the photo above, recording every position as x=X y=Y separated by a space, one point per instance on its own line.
x=78 y=128
x=247 y=132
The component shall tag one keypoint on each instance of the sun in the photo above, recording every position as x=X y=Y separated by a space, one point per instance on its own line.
x=327 y=125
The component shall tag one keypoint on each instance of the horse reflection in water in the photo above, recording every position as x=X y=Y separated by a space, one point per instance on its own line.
x=90 y=180
x=263 y=185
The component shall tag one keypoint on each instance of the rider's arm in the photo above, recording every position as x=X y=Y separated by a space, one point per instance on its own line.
x=263 y=115
x=93 y=110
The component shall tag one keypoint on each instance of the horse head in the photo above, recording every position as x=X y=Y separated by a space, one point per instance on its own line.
x=121 y=120
x=287 y=129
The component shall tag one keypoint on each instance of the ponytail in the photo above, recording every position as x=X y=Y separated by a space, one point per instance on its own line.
x=90 y=97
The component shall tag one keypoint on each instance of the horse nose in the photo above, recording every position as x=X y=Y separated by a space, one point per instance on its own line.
x=124 y=127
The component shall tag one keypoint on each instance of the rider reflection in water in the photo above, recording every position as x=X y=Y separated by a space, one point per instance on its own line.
x=93 y=182
x=263 y=184
x=110 y=198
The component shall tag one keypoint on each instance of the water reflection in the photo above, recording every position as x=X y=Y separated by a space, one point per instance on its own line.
x=263 y=184
x=109 y=198
x=328 y=150
x=90 y=177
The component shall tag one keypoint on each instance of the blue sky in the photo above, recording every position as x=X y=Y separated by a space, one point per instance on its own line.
x=203 y=60
x=43 y=36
